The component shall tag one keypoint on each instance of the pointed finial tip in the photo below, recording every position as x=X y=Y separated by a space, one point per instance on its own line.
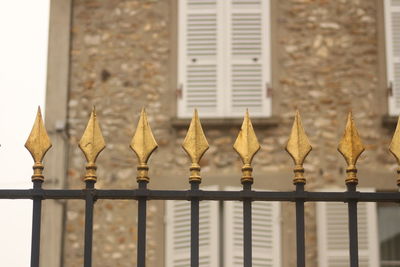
x=94 y=111
x=297 y=115
x=394 y=148
x=350 y=113
x=246 y=144
x=351 y=147
x=92 y=141
x=38 y=143
x=298 y=145
x=143 y=144
x=92 y=144
x=195 y=145
x=247 y=114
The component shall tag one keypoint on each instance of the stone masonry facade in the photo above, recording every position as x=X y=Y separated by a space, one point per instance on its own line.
x=326 y=61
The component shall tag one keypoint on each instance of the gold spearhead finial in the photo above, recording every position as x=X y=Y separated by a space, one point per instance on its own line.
x=91 y=144
x=298 y=148
x=395 y=148
x=351 y=147
x=246 y=145
x=143 y=144
x=38 y=144
x=195 y=145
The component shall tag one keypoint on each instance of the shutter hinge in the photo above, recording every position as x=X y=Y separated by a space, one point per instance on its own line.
x=269 y=90
x=390 y=88
x=179 y=91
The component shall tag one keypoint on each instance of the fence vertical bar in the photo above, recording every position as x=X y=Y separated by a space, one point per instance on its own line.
x=246 y=145
x=89 y=205
x=195 y=145
x=143 y=144
x=38 y=144
x=141 y=243
x=36 y=223
x=91 y=144
x=247 y=228
x=194 y=227
x=300 y=242
x=351 y=147
x=298 y=148
x=353 y=228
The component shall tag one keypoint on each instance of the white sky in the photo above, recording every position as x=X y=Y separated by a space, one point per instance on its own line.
x=23 y=59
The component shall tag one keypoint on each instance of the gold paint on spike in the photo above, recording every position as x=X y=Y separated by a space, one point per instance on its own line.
x=395 y=148
x=195 y=145
x=351 y=147
x=298 y=148
x=246 y=145
x=38 y=144
x=91 y=144
x=143 y=144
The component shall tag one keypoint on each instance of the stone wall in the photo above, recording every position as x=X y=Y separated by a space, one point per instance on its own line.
x=119 y=62
x=325 y=62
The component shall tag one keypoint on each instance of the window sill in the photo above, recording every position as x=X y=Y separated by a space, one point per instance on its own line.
x=389 y=121
x=273 y=121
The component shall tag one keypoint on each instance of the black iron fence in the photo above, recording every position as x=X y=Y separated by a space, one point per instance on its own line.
x=195 y=145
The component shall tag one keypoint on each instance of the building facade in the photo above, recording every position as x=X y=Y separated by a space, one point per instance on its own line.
x=321 y=57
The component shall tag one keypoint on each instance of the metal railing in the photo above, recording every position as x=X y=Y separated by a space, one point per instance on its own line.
x=195 y=144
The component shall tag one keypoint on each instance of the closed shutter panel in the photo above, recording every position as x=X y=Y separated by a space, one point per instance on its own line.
x=178 y=234
x=199 y=57
x=392 y=25
x=266 y=234
x=248 y=71
x=333 y=239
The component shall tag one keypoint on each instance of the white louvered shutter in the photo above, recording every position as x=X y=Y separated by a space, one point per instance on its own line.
x=266 y=234
x=178 y=234
x=392 y=26
x=200 y=57
x=333 y=239
x=248 y=71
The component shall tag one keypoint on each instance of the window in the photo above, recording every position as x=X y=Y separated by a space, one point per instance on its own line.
x=333 y=235
x=392 y=29
x=221 y=233
x=223 y=58
x=389 y=234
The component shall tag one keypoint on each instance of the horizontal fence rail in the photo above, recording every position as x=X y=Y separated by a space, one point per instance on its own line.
x=149 y=194
x=195 y=145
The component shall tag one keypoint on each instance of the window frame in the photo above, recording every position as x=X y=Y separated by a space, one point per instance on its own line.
x=224 y=96
x=390 y=79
